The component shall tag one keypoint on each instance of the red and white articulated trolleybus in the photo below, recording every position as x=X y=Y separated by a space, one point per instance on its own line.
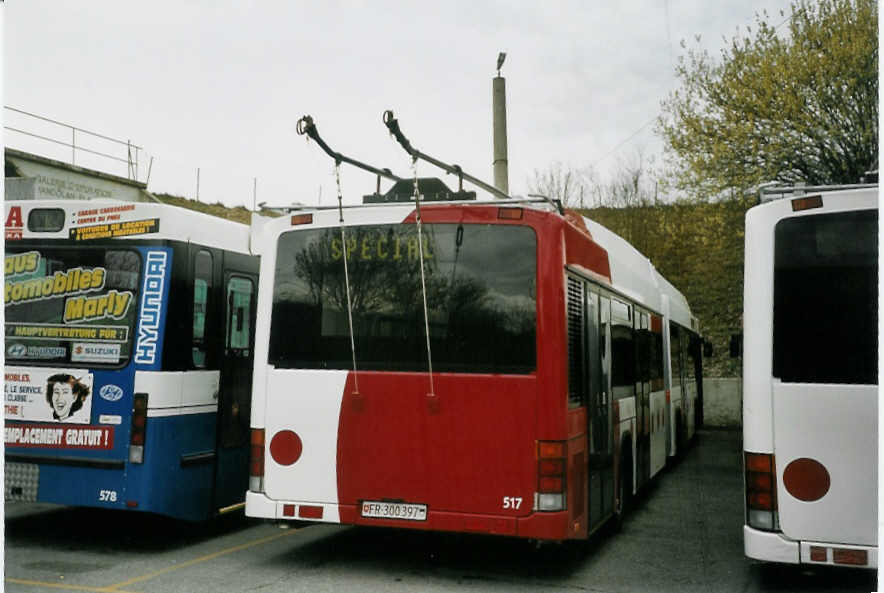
x=503 y=367
x=810 y=393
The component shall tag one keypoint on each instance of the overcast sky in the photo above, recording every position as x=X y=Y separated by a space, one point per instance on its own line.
x=219 y=86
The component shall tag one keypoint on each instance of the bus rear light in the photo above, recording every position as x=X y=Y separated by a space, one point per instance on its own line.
x=550 y=449
x=551 y=468
x=764 y=520
x=760 y=500
x=256 y=460
x=806 y=479
x=550 y=502
x=132 y=504
x=509 y=213
x=762 y=482
x=819 y=554
x=288 y=510
x=852 y=557
x=758 y=462
x=550 y=485
x=136 y=454
x=761 y=494
x=139 y=428
x=301 y=219
x=309 y=512
x=807 y=203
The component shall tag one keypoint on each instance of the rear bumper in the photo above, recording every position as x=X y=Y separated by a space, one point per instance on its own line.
x=771 y=547
x=259 y=505
x=775 y=547
x=545 y=526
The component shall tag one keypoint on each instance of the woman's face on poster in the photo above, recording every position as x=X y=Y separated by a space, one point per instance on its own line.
x=62 y=399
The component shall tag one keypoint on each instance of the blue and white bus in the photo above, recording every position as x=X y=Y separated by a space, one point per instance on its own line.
x=128 y=356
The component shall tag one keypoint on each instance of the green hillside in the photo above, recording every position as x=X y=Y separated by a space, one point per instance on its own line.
x=239 y=214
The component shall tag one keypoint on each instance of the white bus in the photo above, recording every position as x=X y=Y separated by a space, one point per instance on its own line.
x=810 y=407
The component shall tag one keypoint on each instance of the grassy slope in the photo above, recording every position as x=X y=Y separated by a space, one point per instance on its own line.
x=239 y=214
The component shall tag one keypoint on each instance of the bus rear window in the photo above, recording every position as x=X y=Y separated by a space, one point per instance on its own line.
x=70 y=306
x=825 y=315
x=481 y=299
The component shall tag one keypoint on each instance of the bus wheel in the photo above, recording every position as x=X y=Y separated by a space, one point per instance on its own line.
x=624 y=489
x=680 y=444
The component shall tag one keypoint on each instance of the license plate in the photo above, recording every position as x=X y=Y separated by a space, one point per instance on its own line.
x=394 y=510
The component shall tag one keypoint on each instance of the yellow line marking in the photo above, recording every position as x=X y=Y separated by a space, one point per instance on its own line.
x=233 y=507
x=115 y=587
x=64 y=586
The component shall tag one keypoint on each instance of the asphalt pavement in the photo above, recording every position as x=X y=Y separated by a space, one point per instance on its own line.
x=683 y=535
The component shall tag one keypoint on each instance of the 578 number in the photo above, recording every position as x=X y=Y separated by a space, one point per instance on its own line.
x=107 y=495
x=512 y=502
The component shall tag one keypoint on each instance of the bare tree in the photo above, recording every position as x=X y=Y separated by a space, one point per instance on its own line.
x=633 y=183
x=575 y=188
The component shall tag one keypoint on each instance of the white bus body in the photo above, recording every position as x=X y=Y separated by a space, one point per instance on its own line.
x=810 y=404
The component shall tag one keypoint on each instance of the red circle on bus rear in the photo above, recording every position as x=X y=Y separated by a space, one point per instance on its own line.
x=806 y=479
x=285 y=447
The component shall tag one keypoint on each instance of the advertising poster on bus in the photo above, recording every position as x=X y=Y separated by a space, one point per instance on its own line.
x=56 y=406
x=71 y=306
x=48 y=395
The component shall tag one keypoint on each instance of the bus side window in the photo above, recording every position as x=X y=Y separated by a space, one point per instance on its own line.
x=642 y=347
x=656 y=370
x=240 y=297
x=622 y=350
x=674 y=356
x=605 y=366
x=202 y=286
x=687 y=375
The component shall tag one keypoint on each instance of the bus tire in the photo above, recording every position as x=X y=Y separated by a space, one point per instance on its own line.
x=624 y=486
x=680 y=444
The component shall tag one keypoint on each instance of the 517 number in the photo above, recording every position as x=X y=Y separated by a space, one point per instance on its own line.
x=512 y=502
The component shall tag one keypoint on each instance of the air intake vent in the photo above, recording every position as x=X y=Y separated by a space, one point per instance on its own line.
x=575 y=340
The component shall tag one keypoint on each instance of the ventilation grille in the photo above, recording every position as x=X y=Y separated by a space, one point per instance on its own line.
x=575 y=340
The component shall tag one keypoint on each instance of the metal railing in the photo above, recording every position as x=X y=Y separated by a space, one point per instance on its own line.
x=132 y=151
x=774 y=192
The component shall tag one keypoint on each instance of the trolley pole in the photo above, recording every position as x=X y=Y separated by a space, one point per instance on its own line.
x=498 y=98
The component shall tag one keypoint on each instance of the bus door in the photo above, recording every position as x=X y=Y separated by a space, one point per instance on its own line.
x=824 y=376
x=676 y=386
x=690 y=385
x=601 y=459
x=695 y=362
x=234 y=398
x=642 y=396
